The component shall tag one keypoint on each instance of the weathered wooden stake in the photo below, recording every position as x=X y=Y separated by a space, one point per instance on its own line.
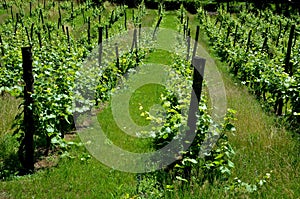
x=2 y=48
x=125 y=19
x=106 y=32
x=198 y=64
x=196 y=41
x=40 y=39
x=31 y=32
x=27 y=143
x=111 y=20
x=140 y=31
x=228 y=33
x=89 y=30
x=133 y=18
x=59 y=13
x=28 y=37
x=235 y=35
x=68 y=37
x=41 y=15
x=12 y=13
x=188 y=44
x=134 y=42
x=249 y=41
x=16 y=27
x=156 y=27
x=117 y=56
x=100 y=33
x=288 y=67
x=58 y=23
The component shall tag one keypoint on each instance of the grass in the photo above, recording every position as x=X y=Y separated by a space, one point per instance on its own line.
x=261 y=144
x=8 y=110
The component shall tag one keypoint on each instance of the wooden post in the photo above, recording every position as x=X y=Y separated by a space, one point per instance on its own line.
x=187 y=23
x=228 y=33
x=100 y=33
x=278 y=37
x=249 y=41
x=58 y=23
x=133 y=18
x=63 y=28
x=44 y=4
x=31 y=32
x=184 y=30
x=5 y=5
x=40 y=40
x=125 y=19
x=134 y=42
x=29 y=130
x=140 y=31
x=181 y=16
x=235 y=35
x=16 y=27
x=68 y=37
x=265 y=43
x=196 y=41
x=156 y=27
x=2 y=48
x=188 y=44
x=89 y=31
x=12 y=13
x=117 y=56
x=111 y=20
x=28 y=37
x=198 y=64
x=288 y=67
x=295 y=39
x=17 y=17
x=59 y=13
x=42 y=17
x=106 y=32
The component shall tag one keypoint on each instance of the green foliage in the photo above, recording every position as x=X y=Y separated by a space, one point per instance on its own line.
x=55 y=65
x=259 y=63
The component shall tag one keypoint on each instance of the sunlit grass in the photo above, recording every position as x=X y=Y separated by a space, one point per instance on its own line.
x=8 y=110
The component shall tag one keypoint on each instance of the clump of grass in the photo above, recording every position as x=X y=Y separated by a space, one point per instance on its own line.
x=9 y=163
x=8 y=111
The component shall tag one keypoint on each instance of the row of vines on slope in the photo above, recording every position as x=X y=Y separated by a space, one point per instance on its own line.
x=190 y=170
x=57 y=54
x=256 y=47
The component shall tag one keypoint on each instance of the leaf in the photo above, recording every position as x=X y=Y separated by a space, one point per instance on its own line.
x=181 y=179
x=230 y=164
